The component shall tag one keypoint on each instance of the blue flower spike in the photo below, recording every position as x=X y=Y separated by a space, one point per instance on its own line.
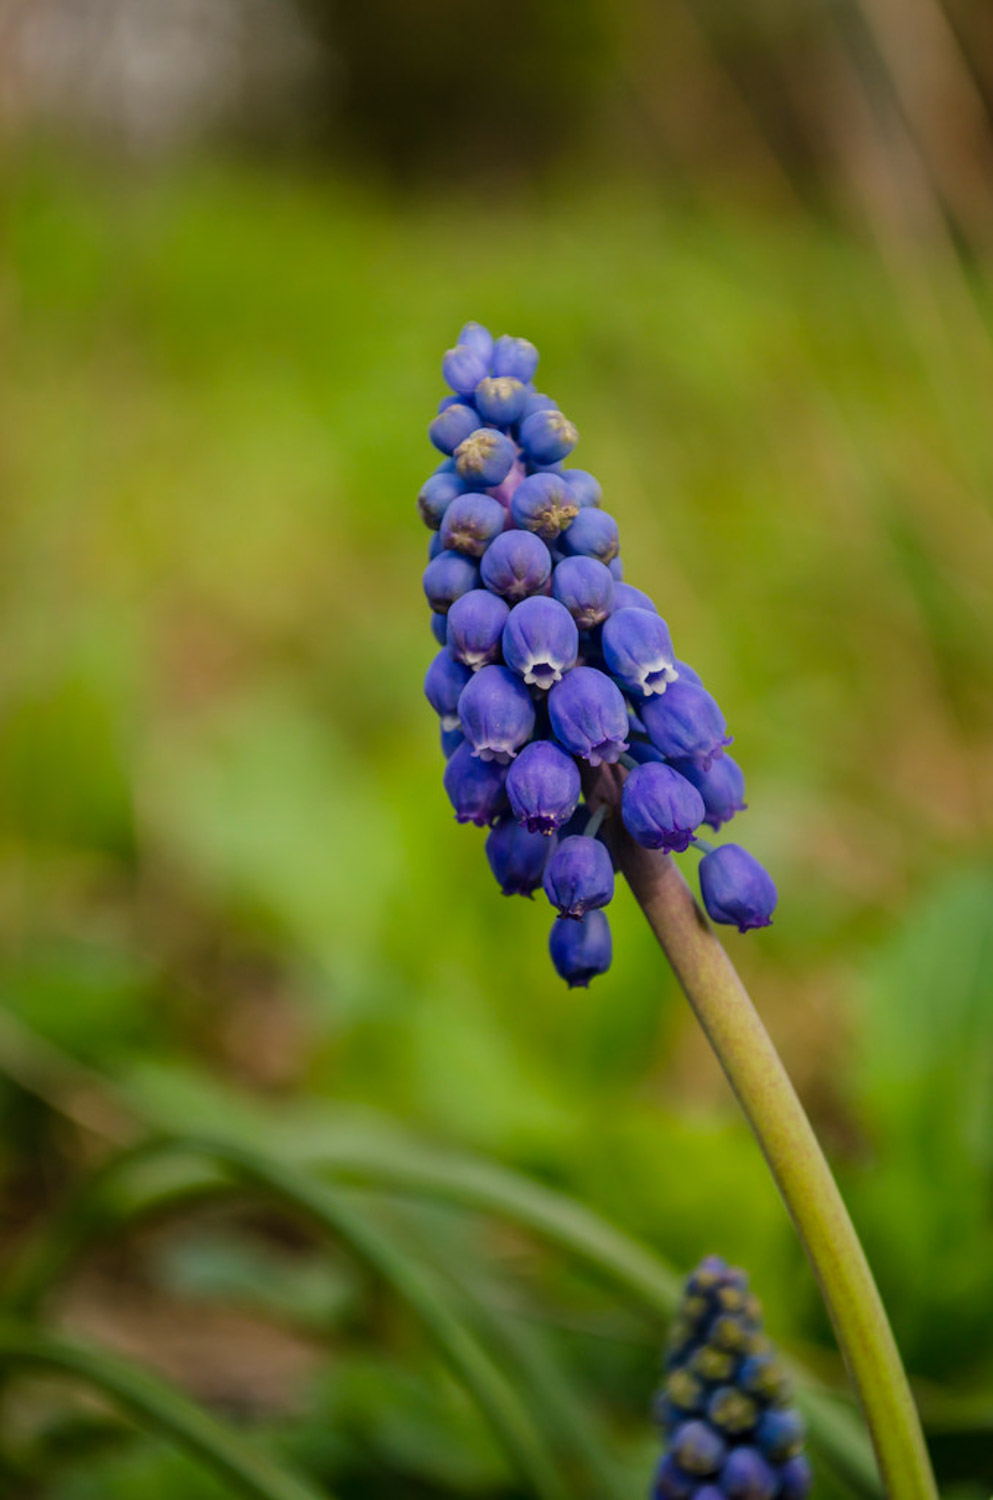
x=551 y=668
x=725 y=1407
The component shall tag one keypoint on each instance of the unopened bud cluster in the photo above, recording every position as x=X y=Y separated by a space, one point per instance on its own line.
x=726 y=1407
x=549 y=659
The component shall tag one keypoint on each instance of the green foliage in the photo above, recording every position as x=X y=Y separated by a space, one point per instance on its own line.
x=231 y=884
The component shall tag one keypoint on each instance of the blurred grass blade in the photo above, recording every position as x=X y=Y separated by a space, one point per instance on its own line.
x=118 y=1192
x=610 y=1252
x=158 y=1408
x=493 y=1393
x=550 y=1391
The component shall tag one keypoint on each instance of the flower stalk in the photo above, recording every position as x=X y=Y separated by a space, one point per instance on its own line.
x=770 y=1103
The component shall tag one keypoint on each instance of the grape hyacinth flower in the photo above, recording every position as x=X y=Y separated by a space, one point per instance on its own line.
x=685 y=723
x=636 y=645
x=516 y=565
x=437 y=493
x=736 y=889
x=496 y=713
x=661 y=808
x=725 y=1407
x=581 y=950
x=485 y=457
x=544 y=504
x=476 y=788
x=517 y=857
x=579 y=876
x=443 y=683
x=470 y=523
x=586 y=588
x=543 y=787
x=591 y=534
x=553 y=668
x=474 y=628
x=722 y=787
x=589 y=716
x=452 y=425
x=540 y=641
x=447 y=577
x=570 y=688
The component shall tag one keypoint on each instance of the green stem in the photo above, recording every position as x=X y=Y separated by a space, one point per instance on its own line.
x=765 y=1093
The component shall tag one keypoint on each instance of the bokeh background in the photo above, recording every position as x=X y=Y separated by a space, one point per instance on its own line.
x=753 y=245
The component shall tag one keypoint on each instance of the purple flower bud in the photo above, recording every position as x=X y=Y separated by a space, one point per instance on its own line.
x=585 y=488
x=616 y=569
x=447 y=577
x=660 y=808
x=516 y=357
x=545 y=504
x=479 y=340
x=476 y=788
x=452 y=425
x=516 y=564
x=435 y=545
x=795 y=1479
x=543 y=786
x=588 y=715
x=637 y=647
x=538 y=401
x=747 y=1476
x=736 y=889
x=697 y=1448
x=626 y=596
x=579 y=876
x=485 y=457
x=593 y=533
x=437 y=494
x=547 y=437
x=780 y=1434
x=581 y=950
x=447 y=401
x=500 y=399
x=671 y=1483
x=451 y=739
x=722 y=787
x=496 y=714
x=443 y=683
x=439 y=628
x=685 y=723
x=475 y=624
x=586 y=588
x=463 y=367
x=517 y=857
x=540 y=641
x=471 y=522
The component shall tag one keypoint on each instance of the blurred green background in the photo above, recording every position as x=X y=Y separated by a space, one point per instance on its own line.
x=753 y=247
